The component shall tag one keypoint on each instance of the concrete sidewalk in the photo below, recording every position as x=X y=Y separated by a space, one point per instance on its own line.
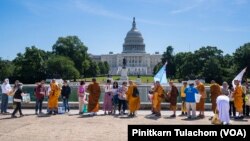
x=73 y=127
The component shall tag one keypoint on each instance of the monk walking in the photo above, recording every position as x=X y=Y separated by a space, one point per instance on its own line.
x=215 y=91
x=133 y=98
x=238 y=100
x=201 y=105
x=94 y=95
x=54 y=94
x=157 y=97
x=173 y=94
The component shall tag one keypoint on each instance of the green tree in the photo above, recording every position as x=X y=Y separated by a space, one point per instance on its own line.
x=184 y=65
x=30 y=67
x=204 y=54
x=106 y=65
x=212 y=70
x=188 y=69
x=6 y=69
x=73 y=47
x=168 y=56
x=62 y=67
x=86 y=65
x=228 y=68
x=242 y=58
x=157 y=67
x=93 y=70
x=101 y=68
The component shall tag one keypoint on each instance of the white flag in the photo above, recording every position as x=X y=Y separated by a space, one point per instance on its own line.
x=239 y=76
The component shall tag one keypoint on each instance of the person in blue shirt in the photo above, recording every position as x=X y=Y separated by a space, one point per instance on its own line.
x=190 y=100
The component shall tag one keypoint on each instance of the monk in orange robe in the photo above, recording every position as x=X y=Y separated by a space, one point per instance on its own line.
x=157 y=98
x=215 y=91
x=94 y=95
x=202 y=91
x=173 y=94
x=238 y=100
x=133 y=99
x=54 y=94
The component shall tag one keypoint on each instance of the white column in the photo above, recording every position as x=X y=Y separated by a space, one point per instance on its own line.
x=138 y=61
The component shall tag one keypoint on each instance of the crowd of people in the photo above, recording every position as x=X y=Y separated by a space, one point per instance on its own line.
x=226 y=100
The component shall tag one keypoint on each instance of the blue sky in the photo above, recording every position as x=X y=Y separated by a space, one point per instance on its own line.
x=103 y=24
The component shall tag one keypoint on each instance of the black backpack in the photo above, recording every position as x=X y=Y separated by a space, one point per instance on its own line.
x=135 y=92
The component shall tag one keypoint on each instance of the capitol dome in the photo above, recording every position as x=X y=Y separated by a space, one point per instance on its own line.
x=133 y=42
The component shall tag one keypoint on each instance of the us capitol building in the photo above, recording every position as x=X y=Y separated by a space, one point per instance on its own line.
x=138 y=62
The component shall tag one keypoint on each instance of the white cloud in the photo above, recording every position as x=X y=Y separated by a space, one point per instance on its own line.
x=185 y=9
x=99 y=10
x=186 y=6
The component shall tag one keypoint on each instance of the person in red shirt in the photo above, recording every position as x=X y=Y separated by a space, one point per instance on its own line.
x=40 y=92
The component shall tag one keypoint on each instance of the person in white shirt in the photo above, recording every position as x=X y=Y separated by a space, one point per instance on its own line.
x=6 y=88
x=222 y=102
x=115 y=99
x=107 y=104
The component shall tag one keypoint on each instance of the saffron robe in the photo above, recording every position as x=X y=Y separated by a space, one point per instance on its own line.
x=201 y=105
x=54 y=94
x=133 y=102
x=94 y=95
x=238 y=100
x=215 y=91
x=157 y=98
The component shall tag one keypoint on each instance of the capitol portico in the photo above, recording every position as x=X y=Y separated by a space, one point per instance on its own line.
x=138 y=61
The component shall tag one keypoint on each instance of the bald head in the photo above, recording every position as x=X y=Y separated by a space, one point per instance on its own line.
x=212 y=82
x=236 y=82
x=130 y=82
x=197 y=81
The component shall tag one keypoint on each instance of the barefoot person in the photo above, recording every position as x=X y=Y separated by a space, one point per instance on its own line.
x=94 y=95
x=173 y=98
x=157 y=97
x=54 y=94
x=201 y=105
x=238 y=101
x=215 y=91
x=133 y=98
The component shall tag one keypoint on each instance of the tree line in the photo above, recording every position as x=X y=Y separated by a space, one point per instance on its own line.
x=68 y=59
x=208 y=63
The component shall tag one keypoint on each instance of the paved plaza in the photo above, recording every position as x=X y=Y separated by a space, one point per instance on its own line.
x=73 y=127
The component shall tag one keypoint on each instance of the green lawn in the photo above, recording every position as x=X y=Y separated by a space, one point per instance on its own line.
x=102 y=79
x=144 y=79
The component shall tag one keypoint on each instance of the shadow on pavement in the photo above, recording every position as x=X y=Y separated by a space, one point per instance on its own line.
x=86 y=116
x=191 y=119
x=152 y=117
x=240 y=120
